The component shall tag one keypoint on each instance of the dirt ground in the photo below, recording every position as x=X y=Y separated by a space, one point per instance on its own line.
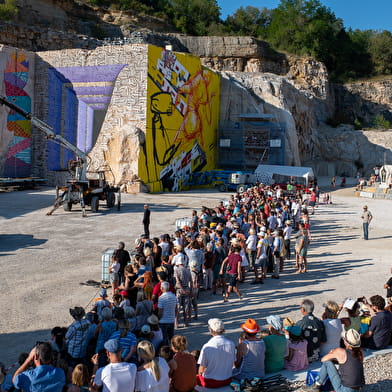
x=45 y=261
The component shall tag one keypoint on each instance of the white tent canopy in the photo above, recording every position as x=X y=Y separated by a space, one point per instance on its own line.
x=264 y=173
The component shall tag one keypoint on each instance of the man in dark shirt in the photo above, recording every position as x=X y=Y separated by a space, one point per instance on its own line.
x=313 y=330
x=123 y=258
x=146 y=221
x=380 y=330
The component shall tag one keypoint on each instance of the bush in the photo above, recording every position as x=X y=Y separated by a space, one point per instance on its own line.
x=358 y=124
x=8 y=10
x=380 y=122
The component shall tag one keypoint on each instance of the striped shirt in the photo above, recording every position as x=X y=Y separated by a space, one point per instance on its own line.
x=168 y=303
x=128 y=341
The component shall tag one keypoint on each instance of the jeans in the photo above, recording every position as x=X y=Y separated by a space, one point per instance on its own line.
x=329 y=369
x=365 y=230
x=167 y=332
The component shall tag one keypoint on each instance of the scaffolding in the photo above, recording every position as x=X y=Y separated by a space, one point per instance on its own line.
x=252 y=140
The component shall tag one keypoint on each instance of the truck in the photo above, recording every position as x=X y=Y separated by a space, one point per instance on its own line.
x=79 y=189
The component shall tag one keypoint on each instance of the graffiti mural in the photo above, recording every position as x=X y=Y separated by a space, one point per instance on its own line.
x=78 y=98
x=17 y=134
x=182 y=120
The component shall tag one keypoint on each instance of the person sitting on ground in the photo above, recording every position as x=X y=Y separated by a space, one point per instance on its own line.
x=298 y=354
x=276 y=347
x=117 y=375
x=353 y=321
x=250 y=353
x=380 y=330
x=350 y=376
x=153 y=373
x=182 y=366
x=333 y=327
x=313 y=330
x=80 y=379
x=217 y=358
x=44 y=377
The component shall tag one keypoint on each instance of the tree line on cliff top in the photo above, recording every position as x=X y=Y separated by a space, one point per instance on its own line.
x=302 y=27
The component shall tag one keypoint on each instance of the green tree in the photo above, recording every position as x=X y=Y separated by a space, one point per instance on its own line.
x=8 y=10
x=380 y=48
x=194 y=16
x=249 y=21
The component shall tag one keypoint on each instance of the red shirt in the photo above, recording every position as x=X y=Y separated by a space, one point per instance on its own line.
x=232 y=263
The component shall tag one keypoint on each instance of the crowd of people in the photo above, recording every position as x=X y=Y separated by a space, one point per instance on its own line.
x=127 y=342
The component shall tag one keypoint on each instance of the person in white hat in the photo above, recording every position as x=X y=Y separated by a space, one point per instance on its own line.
x=217 y=358
x=350 y=376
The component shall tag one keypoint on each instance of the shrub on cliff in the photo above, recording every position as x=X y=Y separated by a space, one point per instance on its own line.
x=8 y=10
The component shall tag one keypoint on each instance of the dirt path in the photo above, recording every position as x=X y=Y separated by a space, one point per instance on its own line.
x=45 y=259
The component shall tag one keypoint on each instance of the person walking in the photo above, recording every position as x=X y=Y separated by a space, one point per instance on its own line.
x=146 y=221
x=366 y=219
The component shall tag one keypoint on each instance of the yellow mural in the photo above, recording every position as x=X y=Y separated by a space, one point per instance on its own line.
x=182 y=120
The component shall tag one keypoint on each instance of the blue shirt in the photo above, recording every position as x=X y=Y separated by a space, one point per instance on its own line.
x=44 y=378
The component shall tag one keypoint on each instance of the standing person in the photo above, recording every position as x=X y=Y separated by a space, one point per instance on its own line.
x=76 y=336
x=312 y=200
x=183 y=287
x=366 y=219
x=146 y=221
x=350 y=376
x=117 y=376
x=286 y=237
x=44 y=377
x=233 y=271
x=216 y=358
x=123 y=258
x=167 y=310
x=278 y=244
x=301 y=249
x=114 y=274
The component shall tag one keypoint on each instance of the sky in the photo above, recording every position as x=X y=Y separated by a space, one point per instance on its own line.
x=357 y=14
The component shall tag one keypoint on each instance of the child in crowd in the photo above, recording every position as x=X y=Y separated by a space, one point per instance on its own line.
x=114 y=276
x=298 y=356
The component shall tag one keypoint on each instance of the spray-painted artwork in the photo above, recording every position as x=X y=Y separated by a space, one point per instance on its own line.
x=78 y=98
x=16 y=132
x=182 y=120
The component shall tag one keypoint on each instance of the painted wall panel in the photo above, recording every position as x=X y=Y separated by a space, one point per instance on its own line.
x=182 y=120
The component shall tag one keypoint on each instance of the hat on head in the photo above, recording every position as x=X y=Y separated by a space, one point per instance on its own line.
x=77 y=312
x=145 y=329
x=153 y=319
x=213 y=224
x=352 y=338
x=113 y=346
x=365 y=207
x=275 y=322
x=103 y=293
x=216 y=325
x=124 y=292
x=232 y=219
x=261 y=233
x=288 y=222
x=294 y=330
x=250 y=326
x=276 y=232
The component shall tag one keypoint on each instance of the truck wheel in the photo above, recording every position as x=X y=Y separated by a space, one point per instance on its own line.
x=67 y=205
x=94 y=204
x=241 y=188
x=222 y=188
x=110 y=199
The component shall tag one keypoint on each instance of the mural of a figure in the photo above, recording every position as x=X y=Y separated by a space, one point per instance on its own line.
x=182 y=120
